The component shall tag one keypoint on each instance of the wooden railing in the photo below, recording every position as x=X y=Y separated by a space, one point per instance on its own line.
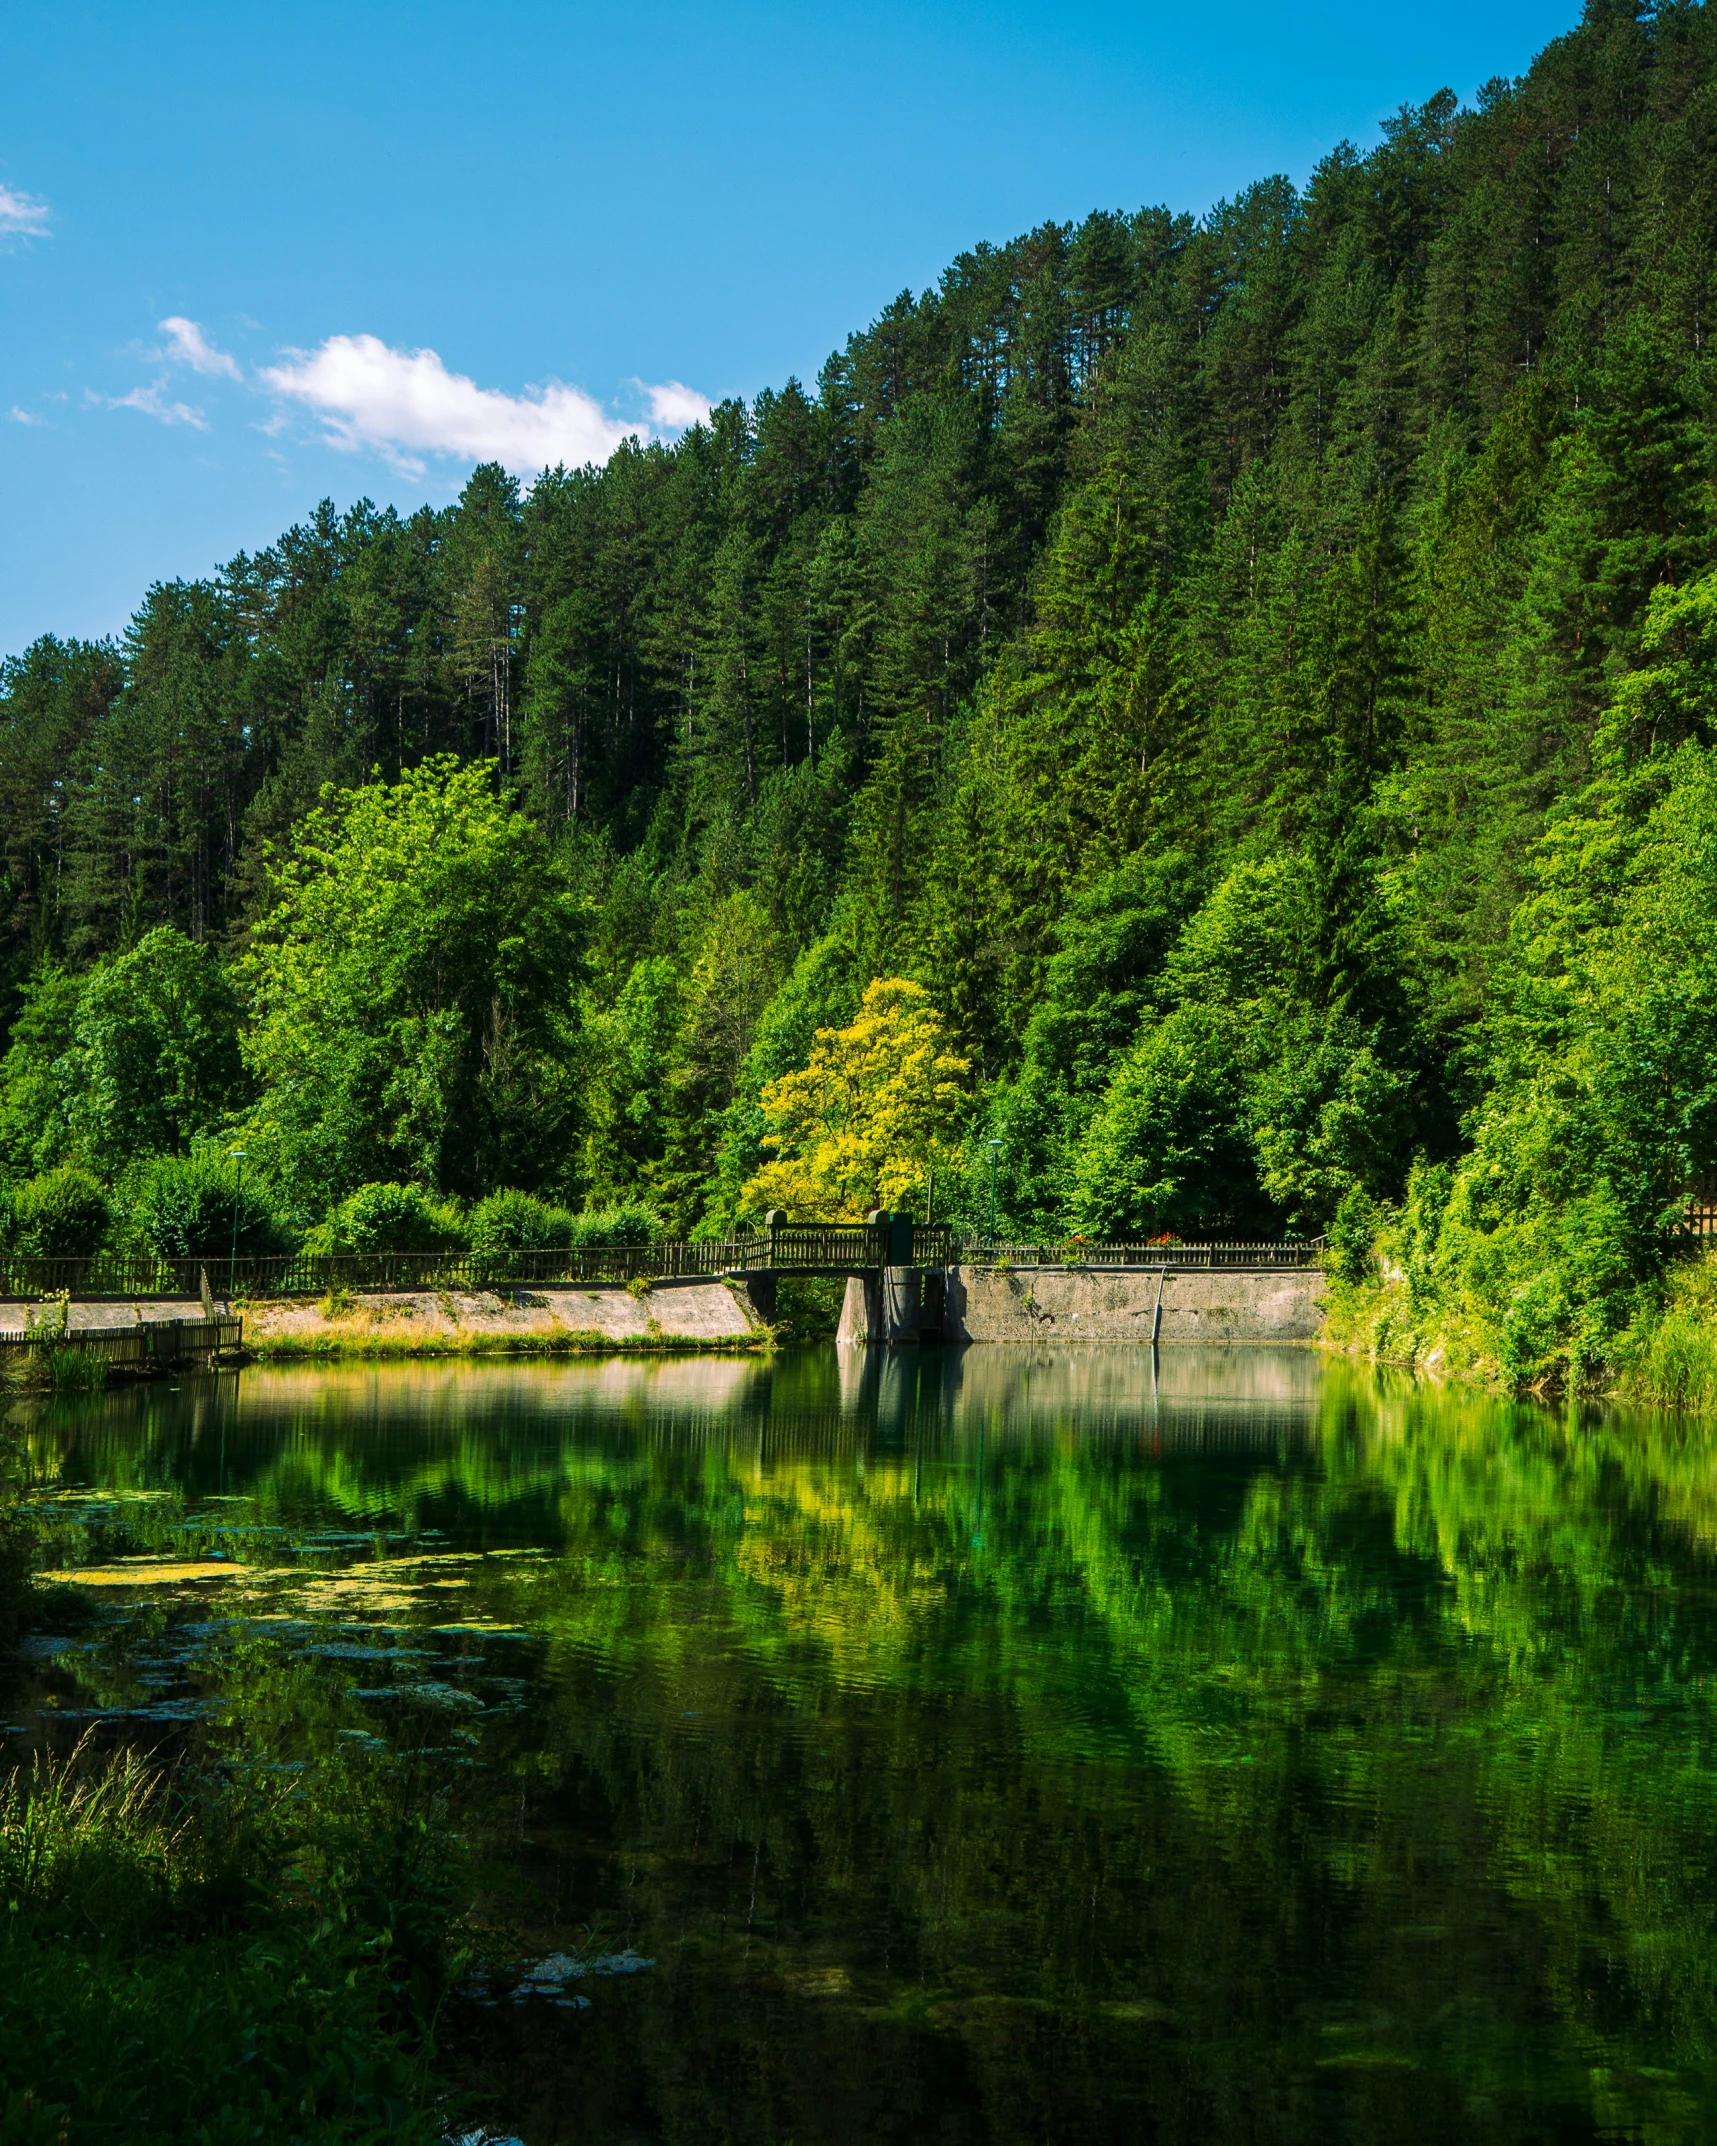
x=794 y=1247
x=152 y=1344
x=307 y=1274
x=1179 y=1257
x=1699 y=1216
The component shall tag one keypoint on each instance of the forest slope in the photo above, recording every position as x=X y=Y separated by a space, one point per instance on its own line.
x=1253 y=675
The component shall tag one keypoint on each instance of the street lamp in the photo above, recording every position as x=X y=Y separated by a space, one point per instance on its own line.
x=236 y=1155
x=995 y=1148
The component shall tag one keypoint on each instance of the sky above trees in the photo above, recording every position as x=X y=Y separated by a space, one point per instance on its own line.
x=251 y=257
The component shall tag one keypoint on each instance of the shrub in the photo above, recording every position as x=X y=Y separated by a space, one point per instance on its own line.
x=627 y=1222
x=182 y=1206
x=390 y=1218
x=512 y=1221
x=62 y=1214
x=1352 y=1234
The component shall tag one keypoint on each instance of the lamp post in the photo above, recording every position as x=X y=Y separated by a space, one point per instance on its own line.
x=237 y=1155
x=995 y=1148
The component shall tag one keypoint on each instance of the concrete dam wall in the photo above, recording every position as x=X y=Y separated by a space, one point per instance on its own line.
x=1068 y=1304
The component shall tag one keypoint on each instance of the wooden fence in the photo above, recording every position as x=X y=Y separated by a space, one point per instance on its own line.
x=804 y=1248
x=149 y=1345
x=1180 y=1257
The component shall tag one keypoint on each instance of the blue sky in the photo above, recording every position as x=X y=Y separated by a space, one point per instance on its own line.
x=232 y=236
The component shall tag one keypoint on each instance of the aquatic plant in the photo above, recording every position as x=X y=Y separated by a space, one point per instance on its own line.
x=73 y=1370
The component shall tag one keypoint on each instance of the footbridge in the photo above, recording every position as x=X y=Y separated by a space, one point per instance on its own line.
x=907 y=1280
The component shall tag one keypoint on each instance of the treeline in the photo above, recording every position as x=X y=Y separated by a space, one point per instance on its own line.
x=1249 y=672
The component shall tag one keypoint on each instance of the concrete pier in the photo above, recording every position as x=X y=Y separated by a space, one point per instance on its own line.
x=1080 y=1304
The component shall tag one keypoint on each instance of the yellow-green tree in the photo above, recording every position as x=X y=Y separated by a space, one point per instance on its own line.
x=875 y=1111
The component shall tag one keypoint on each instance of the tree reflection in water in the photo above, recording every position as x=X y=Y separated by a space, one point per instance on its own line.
x=1013 y=1745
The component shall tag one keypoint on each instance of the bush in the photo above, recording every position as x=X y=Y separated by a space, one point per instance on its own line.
x=390 y=1218
x=519 y=1222
x=1669 y=1355
x=182 y=1206
x=62 y=1214
x=1353 y=1233
x=627 y=1222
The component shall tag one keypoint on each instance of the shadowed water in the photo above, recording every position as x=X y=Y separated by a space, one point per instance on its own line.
x=997 y=1745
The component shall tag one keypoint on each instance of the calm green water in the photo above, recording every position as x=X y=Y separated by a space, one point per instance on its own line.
x=992 y=1746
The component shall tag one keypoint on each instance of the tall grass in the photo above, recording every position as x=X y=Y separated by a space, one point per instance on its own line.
x=1669 y=1354
x=72 y=1370
x=206 y=1954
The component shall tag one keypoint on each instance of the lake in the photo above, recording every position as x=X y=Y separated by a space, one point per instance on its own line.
x=980 y=1746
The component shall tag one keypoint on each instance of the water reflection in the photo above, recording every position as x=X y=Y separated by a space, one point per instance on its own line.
x=1013 y=1744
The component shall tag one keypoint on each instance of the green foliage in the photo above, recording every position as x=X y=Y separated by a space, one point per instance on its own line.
x=513 y=1221
x=1669 y=1355
x=1353 y=1234
x=137 y=1057
x=823 y=991
x=390 y=1218
x=189 y=1206
x=628 y=1050
x=1240 y=667
x=35 y=1073
x=808 y=1308
x=408 y=993
x=62 y=1214
x=267 y=1963
x=626 y=1222
x=154 y=1059
x=1165 y=1149
x=519 y=1222
x=1603 y=1103
x=1098 y=987
x=74 y=1370
x=1252 y=1101
x=18 y=1539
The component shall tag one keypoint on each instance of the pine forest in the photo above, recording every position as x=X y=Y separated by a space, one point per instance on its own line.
x=1212 y=719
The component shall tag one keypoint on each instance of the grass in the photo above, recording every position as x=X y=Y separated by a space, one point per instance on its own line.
x=65 y=1369
x=203 y=1953
x=401 y=1344
x=225 y=1948
x=1669 y=1357
x=73 y=1370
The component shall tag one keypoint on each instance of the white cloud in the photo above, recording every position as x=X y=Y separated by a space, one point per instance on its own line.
x=674 y=406
x=25 y=417
x=405 y=403
x=187 y=345
x=22 y=215
x=152 y=401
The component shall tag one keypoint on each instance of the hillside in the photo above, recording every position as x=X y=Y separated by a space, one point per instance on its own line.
x=1254 y=676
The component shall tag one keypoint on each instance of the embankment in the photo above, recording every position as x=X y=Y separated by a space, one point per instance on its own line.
x=1087 y=1304
x=1074 y=1304
x=547 y=1319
